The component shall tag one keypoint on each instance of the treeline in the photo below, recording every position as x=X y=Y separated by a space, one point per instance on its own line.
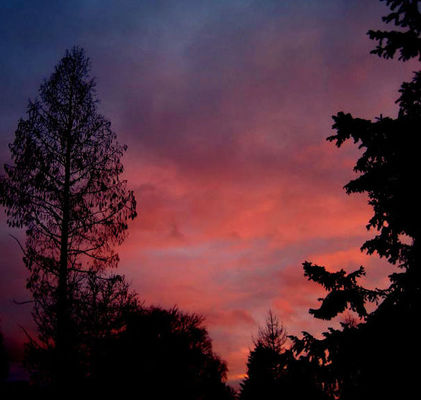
x=95 y=337
x=149 y=352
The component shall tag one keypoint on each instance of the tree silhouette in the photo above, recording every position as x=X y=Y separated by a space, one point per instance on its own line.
x=265 y=361
x=160 y=354
x=274 y=372
x=263 y=368
x=99 y=311
x=64 y=186
x=272 y=335
x=375 y=358
x=406 y=15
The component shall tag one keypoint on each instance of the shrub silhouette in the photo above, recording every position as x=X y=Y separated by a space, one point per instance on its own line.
x=160 y=354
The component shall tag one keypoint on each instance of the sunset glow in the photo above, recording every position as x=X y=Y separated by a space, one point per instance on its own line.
x=225 y=107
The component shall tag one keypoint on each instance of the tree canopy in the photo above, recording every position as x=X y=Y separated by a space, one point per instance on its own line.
x=160 y=354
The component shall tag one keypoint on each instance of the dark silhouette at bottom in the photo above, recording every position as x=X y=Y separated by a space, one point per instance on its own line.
x=156 y=354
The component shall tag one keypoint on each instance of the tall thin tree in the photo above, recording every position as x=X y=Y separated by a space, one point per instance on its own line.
x=64 y=186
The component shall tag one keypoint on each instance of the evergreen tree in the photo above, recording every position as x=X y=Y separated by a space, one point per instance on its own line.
x=272 y=335
x=265 y=361
x=378 y=357
x=273 y=370
x=64 y=186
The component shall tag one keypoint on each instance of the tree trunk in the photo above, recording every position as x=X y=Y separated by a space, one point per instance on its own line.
x=63 y=339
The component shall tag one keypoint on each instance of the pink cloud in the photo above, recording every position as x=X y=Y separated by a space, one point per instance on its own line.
x=236 y=185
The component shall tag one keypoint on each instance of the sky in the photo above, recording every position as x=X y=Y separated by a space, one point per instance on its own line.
x=225 y=106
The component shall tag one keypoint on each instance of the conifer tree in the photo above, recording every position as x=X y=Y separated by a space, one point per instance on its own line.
x=64 y=187
x=378 y=357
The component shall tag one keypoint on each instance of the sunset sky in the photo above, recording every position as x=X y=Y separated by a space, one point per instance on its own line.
x=225 y=106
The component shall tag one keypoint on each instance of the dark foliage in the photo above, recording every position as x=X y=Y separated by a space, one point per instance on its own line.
x=406 y=15
x=272 y=335
x=264 y=365
x=159 y=354
x=64 y=186
x=344 y=293
x=378 y=356
x=264 y=369
x=128 y=350
x=273 y=371
x=99 y=311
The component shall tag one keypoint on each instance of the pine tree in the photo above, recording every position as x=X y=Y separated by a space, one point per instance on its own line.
x=264 y=365
x=377 y=357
